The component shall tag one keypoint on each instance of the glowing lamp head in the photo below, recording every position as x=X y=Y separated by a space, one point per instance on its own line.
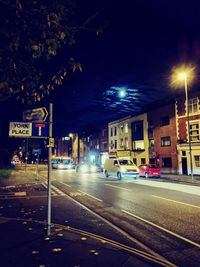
x=182 y=76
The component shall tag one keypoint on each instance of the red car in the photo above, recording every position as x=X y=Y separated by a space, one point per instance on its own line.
x=149 y=170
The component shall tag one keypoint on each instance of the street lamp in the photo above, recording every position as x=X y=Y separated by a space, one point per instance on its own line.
x=186 y=75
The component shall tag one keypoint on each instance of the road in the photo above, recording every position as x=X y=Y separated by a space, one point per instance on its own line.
x=151 y=215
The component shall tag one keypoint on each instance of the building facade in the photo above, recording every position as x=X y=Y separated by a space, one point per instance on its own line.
x=188 y=138
x=162 y=135
x=128 y=138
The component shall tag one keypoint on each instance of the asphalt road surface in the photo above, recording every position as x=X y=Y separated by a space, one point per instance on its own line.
x=152 y=215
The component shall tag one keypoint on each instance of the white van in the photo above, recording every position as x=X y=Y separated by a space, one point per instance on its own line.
x=120 y=168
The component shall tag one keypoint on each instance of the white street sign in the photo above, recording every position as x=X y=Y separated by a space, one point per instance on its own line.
x=35 y=115
x=20 y=129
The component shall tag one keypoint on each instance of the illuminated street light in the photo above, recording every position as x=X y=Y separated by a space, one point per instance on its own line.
x=186 y=75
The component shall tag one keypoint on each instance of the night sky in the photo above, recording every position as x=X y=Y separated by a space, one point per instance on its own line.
x=140 y=44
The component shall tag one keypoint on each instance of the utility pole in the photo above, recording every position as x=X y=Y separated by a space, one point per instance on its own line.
x=49 y=168
x=78 y=148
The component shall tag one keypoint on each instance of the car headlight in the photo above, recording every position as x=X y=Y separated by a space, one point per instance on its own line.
x=93 y=168
x=84 y=168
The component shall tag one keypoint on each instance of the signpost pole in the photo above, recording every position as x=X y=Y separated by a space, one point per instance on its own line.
x=26 y=154
x=49 y=169
x=37 y=166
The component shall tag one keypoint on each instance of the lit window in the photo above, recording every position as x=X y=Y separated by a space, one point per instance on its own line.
x=197 y=161
x=193 y=105
x=195 y=132
x=126 y=127
x=166 y=141
x=121 y=128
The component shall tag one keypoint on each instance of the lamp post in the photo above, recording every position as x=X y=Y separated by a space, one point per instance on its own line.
x=185 y=74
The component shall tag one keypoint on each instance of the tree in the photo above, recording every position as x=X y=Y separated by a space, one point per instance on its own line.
x=34 y=31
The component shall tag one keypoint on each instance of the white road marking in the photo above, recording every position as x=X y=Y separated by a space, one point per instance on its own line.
x=179 y=202
x=64 y=184
x=190 y=189
x=90 y=196
x=164 y=229
x=118 y=187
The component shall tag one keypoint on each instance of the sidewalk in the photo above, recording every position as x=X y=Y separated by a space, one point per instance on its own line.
x=24 y=243
x=186 y=179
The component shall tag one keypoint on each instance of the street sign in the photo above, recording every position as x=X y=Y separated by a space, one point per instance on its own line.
x=35 y=115
x=51 y=142
x=20 y=129
x=40 y=129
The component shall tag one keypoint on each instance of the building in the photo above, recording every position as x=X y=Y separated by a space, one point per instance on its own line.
x=183 y=134
x=162 y=135
x=63 y=147
x=128 y=138
x=103 y=144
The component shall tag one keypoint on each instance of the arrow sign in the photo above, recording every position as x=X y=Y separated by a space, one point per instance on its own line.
x=35 y=115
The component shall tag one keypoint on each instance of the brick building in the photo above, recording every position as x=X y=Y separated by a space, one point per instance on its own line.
x=163 y=138
x=183 y=133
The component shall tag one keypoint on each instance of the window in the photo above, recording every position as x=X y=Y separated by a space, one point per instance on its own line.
x=137 y=130
x=115 y=131
x=126 y=142
x=183 y=153
x=115 y=144
x=197 y=161
x=195 y=132
x=164 y=121
x=166 y=141
x=126 y=127
x=193 y=105
x=143 y=161
x=111 y=144
x=111 y=131
x=121 y=128
x=135 y=161
x=166 y=162
x=122 y=142
x=150 y=129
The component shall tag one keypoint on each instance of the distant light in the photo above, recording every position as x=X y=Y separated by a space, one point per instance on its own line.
x=122 y=92
x=92 y=158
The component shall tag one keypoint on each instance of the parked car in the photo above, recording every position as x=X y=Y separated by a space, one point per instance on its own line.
x=149 y=170
x=88 y=168
x=120 y=168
